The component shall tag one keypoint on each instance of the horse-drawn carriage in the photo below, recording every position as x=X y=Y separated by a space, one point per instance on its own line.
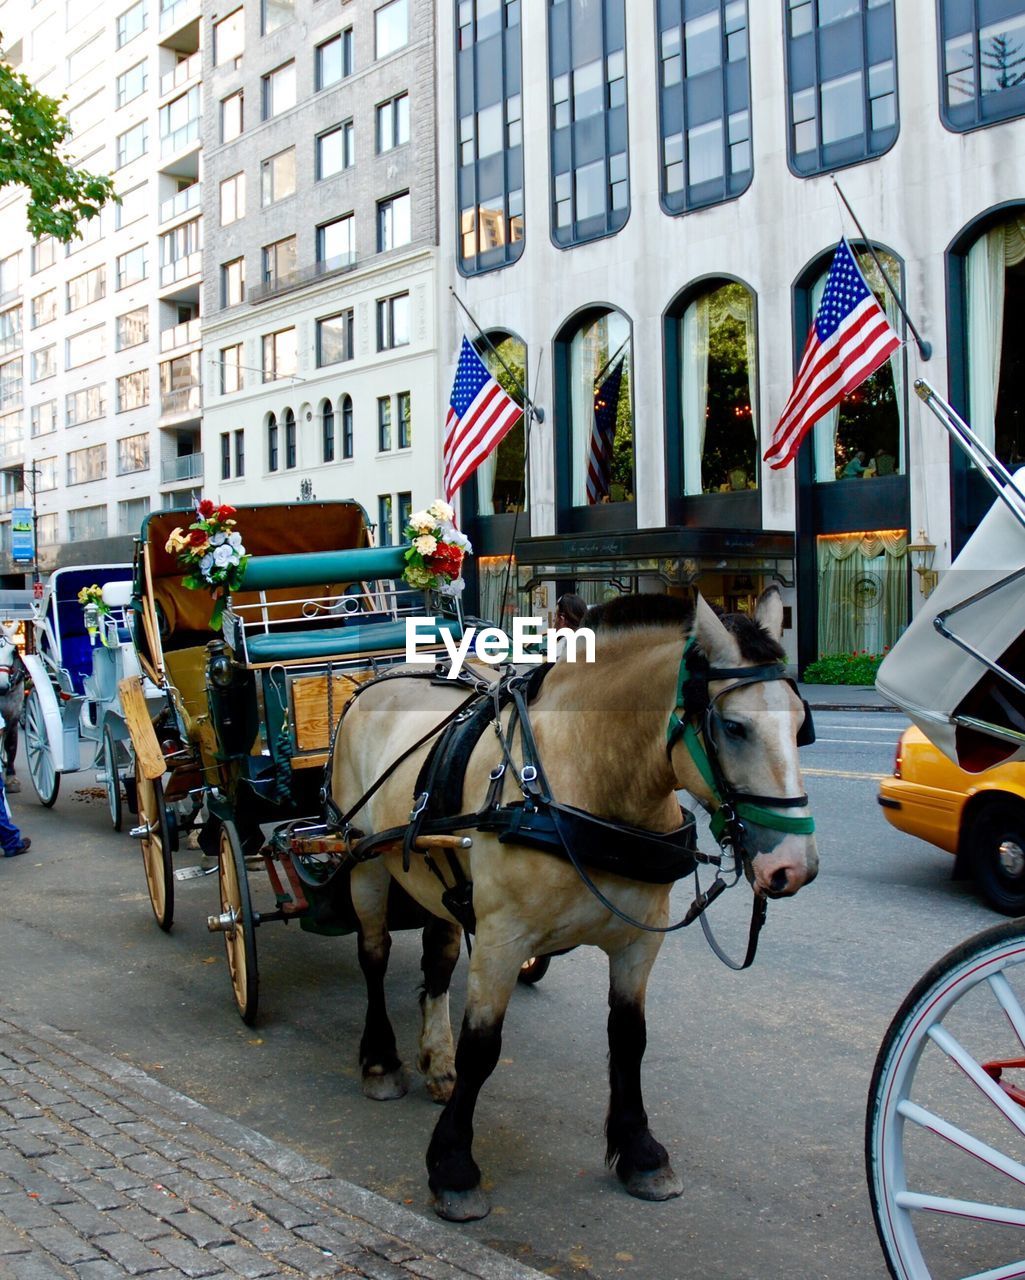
x=239 y=743
x=80 y=653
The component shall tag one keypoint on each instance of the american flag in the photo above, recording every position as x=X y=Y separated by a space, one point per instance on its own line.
x=849 y=339
x=480 y=414
x=603 y=436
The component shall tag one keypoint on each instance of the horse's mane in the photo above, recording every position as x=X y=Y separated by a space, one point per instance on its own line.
x=652 y=609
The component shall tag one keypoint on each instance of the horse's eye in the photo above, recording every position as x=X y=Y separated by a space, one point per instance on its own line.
x=733 y=729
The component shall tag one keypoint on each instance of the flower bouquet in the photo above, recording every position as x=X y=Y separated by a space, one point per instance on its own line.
x=93 y=608
x=211 y=554
x=434 y=561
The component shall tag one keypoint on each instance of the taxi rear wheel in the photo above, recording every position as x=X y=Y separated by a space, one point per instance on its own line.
x=996 y=848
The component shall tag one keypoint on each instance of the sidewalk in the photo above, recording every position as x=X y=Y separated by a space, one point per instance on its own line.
x=105 y=1172
x=845 y=697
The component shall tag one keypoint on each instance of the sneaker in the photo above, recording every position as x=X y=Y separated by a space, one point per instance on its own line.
x=24 y=847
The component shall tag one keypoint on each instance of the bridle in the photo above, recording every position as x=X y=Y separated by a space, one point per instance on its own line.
x=691 y=721
x=14 y=670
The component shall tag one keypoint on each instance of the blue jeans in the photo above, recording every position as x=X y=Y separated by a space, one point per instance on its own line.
x=10 y=836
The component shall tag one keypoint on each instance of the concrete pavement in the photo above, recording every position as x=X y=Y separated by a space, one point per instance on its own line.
x=105 y=1172
x=845 y=697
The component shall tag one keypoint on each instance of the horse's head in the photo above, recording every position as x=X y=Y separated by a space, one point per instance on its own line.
x=733 y=742
x=8 y=661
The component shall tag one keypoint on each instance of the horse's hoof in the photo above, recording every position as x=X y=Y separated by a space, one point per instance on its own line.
x=440 y=1088
x=384 y=1086
x=461 y=1206
x=654 y=1184
x=12 y=784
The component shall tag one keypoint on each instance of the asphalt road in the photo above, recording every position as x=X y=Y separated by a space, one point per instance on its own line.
x=755 y=1082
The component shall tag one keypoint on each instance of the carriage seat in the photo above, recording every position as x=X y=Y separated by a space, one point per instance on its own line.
x=361 y=564
x=341 y=642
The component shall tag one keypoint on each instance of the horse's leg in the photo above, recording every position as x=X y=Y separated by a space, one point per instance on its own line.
x=641 y=1163
x=441 y=943
x=11 y=745
x=451 y=1170
x=383 y=1077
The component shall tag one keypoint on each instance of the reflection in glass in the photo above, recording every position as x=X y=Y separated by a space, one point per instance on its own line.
x=501 y=476
x=601 y=410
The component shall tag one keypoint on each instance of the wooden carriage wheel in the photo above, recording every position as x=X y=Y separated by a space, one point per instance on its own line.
x=155 y=838
x=239 y=937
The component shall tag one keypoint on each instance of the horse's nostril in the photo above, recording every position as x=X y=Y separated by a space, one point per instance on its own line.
x=778 y=883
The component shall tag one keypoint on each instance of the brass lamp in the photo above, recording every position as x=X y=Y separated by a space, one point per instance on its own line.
x=922 y=554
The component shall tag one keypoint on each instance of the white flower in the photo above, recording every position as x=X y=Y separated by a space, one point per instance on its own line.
x=235 y=540
x=426 y=544
x=217 y=539
x=455 y=537
x=223 y=556
x=453 y=588
x=206 y=564
x=441 y=510
x=421 y=522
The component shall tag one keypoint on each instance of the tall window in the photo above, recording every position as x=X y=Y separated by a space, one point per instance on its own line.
x=393 y=322
x=333 y=60
x=130 y=84
x=231 y=369
x=384 y=423
x=132 y=454
x=44 y=254
x=277 y=177
x=336 y=243
x=335 y=338
x=404 y=411
x=994 y=286
x=704 y=101
x=279 y=262
x=231 y=116
x=233 y=199
x=587 y=65
x=278 y=90
x=132 y=23
x=500 y=478
x=11 y=383
x=43 y=418
x=279 y=355
x=391 y=27
x=44 y=308
x=132 y=390
x=10 y=328
x=240 y=452
x=272 y=443
x=327 y=431
x=346 y=426
x=718 y=393
x=44 y=363
x=392 y=123
x=384 y=520
x=405 y=510
x=490 y=160
x=134 y=205
x=983 y=65
x=87 y=464
x=131 y=267
x=132 y=144
x=233 y=282
x=229 y=37
x=290 y=455
x=335 y=150
x=596 y=359
x=275 y=13
x=842 y=81
x=394 y=227
x=225 y=455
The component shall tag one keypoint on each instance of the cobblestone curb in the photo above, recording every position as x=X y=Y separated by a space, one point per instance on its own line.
x=106 y=1172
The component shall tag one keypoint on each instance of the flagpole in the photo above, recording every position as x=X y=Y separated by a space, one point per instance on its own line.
x=925 y=348
x=611 y=361
x=528 y=405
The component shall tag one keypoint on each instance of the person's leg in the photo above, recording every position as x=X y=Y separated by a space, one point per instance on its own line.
x=10 y=837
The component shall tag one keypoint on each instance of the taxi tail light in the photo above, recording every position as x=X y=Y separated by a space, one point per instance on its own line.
x=898 y=757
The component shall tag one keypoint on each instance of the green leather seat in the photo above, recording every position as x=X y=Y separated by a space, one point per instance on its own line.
x=341 y=641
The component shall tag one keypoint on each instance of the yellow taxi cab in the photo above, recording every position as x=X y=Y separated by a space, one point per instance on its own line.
x=978 y=817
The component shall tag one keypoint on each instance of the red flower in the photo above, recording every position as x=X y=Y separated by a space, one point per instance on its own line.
x=447 y=559
x=224 y=512
x=206 y=508
x=197 y=537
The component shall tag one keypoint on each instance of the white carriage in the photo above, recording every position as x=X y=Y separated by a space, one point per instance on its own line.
x=77 y=655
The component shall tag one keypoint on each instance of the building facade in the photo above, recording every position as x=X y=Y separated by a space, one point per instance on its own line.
x=319 y=306
x=99 y=341
x=637 y=206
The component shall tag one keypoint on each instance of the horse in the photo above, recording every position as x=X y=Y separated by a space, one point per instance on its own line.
x=616 y=738
x=12 y=698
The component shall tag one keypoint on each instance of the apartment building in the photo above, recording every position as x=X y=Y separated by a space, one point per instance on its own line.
x=320 y=279
x=636 y=202
x=99 y=340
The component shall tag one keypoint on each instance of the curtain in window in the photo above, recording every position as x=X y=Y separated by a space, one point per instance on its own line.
x=985 y=267
x=491 y=578
x=863 y=591
x=694 y=368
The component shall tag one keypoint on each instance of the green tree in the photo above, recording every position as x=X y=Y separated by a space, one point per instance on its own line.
x=33 y=133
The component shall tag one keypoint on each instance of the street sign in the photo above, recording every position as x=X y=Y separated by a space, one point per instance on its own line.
x=23 y=543
x=37 y=591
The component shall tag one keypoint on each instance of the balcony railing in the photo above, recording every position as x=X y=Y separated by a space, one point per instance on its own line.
x=294 y=279
x=181 y=268
x=190 y=198
x=173 y=470
x=173 y=15
x=181 y=400
x=181 y=74
x=179 y=138
x=181 y=335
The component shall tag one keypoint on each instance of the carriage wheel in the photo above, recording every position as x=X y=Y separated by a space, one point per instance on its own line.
x=112 y=781
x=156 y=849
x=533 y=970
x=946 y=1116
x=41 y=769
x=239 y=939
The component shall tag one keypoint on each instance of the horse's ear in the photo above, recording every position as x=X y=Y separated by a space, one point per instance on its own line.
x=715 y=642
x=769 y=611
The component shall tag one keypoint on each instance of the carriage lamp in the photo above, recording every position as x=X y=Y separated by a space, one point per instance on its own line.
x=91 y=618
x=922 y=554
x=220 y=668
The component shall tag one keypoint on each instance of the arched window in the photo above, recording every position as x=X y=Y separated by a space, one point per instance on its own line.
x=719 y=389
x=489 y=172
x=597 y=365
x=841 y=81
x=704 y=102
x=346 y=410
x=863 y=436
x=272 y=443
x=983 y=68
x=587 y=69
x=290 y=458
x=994 y=307
x=501 y=477
x=327 y=427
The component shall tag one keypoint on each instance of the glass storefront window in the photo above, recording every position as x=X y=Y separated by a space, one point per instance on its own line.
x=601 y=410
